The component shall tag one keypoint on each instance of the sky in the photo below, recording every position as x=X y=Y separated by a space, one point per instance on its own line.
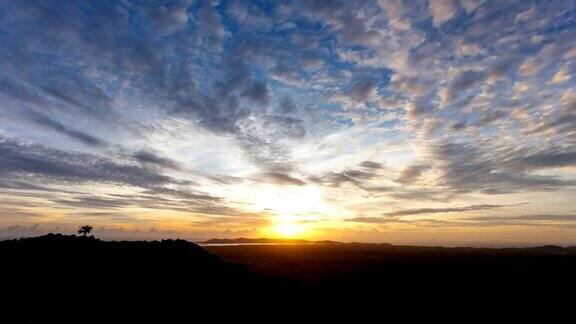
x=415 y=122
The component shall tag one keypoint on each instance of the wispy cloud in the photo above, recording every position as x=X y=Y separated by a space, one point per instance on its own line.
x=410 y=212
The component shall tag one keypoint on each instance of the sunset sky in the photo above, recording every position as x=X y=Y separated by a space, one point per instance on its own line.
x=428 y=122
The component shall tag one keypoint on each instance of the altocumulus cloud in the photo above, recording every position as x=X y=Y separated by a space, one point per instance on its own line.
x=373 y=102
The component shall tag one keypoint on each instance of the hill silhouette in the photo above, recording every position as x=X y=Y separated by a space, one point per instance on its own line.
x=65 y=279
x=60 y=277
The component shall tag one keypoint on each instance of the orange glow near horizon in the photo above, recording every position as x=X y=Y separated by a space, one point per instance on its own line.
x=287 y=226
x=289 y=230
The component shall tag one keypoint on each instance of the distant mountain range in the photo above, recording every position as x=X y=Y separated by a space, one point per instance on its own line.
x=544 y=249
x=243 y=240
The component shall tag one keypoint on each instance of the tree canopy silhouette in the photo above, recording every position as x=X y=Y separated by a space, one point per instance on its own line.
x=85 y=230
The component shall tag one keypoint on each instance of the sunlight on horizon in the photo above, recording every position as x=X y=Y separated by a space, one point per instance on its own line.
x=289 y=230
x=289 y=226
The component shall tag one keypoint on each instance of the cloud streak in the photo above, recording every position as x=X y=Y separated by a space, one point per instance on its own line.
x=411 y=212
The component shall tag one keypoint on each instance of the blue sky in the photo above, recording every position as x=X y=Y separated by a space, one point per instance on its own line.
x=441 y=121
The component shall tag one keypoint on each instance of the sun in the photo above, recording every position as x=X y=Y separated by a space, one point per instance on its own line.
x=288 y=229
x=288 y=225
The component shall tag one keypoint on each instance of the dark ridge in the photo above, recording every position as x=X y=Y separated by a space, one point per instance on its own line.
x=70 y=279
x=62 y=278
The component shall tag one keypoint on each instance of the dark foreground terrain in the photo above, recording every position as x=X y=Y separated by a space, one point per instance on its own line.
x=64 y=279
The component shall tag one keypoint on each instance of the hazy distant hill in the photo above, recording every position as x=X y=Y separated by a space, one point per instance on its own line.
x=264 y=241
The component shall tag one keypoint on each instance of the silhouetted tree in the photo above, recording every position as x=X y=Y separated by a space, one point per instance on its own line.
x=84 y=230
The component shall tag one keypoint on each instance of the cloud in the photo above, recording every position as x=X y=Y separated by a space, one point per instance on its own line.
x=411 y=174
x=469 y=169
x=58 y=127
x=311 y=60
x=359 y=174
x=545 y=159
x=463 y=81
x=529 y=67
x=279 y=178
x=466 y=80
x=561 y=76
x=145 y=67
x=41 y=165
x=334 y=179
x=225 y=179
x=555 y=221
x=416 y=110
x=286 y=74
x=249 y=16
x=410 y=212
x=362 y=90
x=470 y=5
x=355 y=177
x=149 y=189
x=287 y=106
x=154 y=159
x=528 y=217
x=209 y=25
x=170 y=18
x=12 y=88
x=489 y=117
x=14 y=231
x=395 y=11
x=344 y=18
x=441 y=11
x=371 y=165
x=92 y=202
x=26 y=158
x=373 y=220
x=281 y=126
x=258 y=93
x=526 y=15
